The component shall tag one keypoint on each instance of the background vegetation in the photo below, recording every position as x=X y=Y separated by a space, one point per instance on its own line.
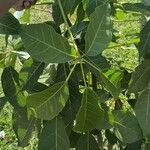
x=123 y=57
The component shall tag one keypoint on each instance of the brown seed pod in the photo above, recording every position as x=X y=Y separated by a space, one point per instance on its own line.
x=24 y=4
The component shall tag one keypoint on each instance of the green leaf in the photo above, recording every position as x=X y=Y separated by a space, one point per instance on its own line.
x=87 y=142
x=26 y=16
x=90 y=112
x=67 y=6
x=127 y=127
x=50 y=102
x=38 y=87
x=142 y=111
x=55 y=27
x=53 y=136
x=145 y=39
x=80 y=13
x=100 y=62
x=103 y=95
x=96 y=65
x=9 y=25
x=41 y=42
x=98 y=34
x=136 y=145
x=146 y=2
x=147 y=143
x=136 y=7
x=74 y=96
x=106 y=119
x=22 y=126
x=79 y=28
x=73 y=103
x=110 y=86
x=90 y=5
x=147 y=146
x=73 y=138
x=62 y=72
x=30 y=73
x=112 y=139
x=140 y=78
x=12 y=88
x=115 y=77
x=3 y=101
x=125 y=80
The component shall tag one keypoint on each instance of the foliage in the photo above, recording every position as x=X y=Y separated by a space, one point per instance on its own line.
x=73 y=81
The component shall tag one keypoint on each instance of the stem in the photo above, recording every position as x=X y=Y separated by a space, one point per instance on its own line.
x=134 y=12
x=68 y=28
x=42 y=10
x=94 y=66
x=73 y=41
x=100 y=140
x=125 y=20
x=88 y=140
x=124 y=44
x=45 y=3
x=70 y=73
x=94 y=82
x=83 y=76
x=118 y=104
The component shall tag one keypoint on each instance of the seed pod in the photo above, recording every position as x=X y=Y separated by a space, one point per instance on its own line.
x=26 y=4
